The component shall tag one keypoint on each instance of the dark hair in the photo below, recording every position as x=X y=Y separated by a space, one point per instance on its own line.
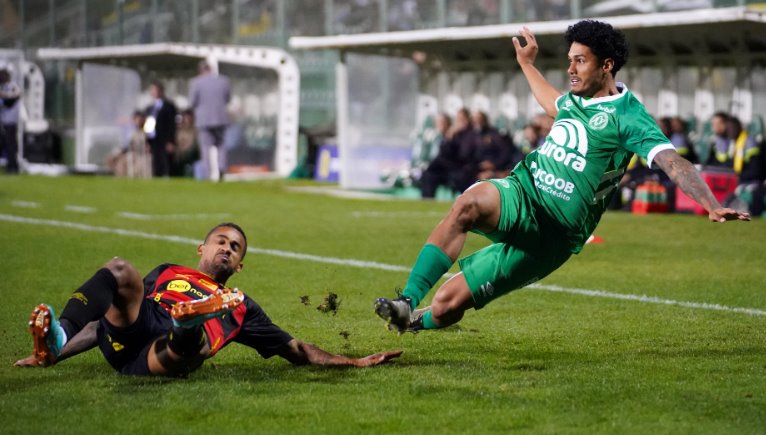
x=734 y=122
x=721 y=114
x=604 y=41
x=230 y=225
x=158 y=84
x=664 y=123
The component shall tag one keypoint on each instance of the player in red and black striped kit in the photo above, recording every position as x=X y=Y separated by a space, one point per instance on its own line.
x=172 y=320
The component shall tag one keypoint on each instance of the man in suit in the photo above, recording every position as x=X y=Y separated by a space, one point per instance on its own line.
x=160 y=129
x=209 y=94
x=10 y=97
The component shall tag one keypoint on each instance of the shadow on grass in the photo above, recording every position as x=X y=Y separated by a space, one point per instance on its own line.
x=260 y=375
x=699 y=352
x=25 y=379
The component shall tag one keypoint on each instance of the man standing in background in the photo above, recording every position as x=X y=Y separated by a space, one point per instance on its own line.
x=10 y=94
x=209 y=94
x=160 y=129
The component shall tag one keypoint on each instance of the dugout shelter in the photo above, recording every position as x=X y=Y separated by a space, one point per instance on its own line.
x=689 y=63
x=111 y=83
x=33 y=139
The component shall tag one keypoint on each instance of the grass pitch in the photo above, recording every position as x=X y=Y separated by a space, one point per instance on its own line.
x=533 y=362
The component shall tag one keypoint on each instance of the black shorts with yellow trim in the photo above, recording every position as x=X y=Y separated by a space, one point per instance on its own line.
x=126 y=349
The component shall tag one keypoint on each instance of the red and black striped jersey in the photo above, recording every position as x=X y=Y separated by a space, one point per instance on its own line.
x=169 y=284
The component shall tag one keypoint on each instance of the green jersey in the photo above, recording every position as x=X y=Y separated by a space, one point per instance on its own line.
x=573 y=176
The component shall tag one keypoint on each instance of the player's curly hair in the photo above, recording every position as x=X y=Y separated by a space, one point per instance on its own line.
x=233 y=226
x=604 y=41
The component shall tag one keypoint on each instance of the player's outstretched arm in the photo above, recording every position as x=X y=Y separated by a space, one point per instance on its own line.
x=300 y=353
x=544 y=92
x=688 y=179
x=84 y=340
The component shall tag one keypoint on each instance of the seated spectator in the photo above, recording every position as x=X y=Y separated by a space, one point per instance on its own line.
x=428 y=142
x=720 y=153
x=679 y=137
x=135 y=159
x=186 y=151
x=745 y=158
x=535 y=133
x=494 y=154
x=530 y=139
x=475 y=151
x=734 y=149
x=545 y=123
x=445 y=168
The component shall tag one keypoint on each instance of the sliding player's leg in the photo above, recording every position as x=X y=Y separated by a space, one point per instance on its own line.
x=185 y=346
x=477 y=209
x=115 y=292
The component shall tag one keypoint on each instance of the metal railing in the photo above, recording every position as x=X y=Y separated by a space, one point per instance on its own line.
x=72 y=23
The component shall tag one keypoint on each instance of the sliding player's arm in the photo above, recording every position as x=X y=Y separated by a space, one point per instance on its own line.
x=688 y=179
x=301 y=353
x=544 y=92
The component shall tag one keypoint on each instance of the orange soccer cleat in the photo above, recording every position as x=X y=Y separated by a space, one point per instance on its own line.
x=191 y=313
x=47 y=335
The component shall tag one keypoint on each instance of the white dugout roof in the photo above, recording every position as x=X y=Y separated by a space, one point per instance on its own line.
x=719 y=34
x=182 y=59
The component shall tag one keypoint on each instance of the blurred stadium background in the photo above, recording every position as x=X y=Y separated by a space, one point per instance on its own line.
x=364 y=75
x=356 y=81
x=660 y=329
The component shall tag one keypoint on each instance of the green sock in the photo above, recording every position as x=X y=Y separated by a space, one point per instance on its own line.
x=430 y=265
x=428 y=321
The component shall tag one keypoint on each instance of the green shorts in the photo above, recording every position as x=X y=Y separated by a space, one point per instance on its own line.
x=527 y=247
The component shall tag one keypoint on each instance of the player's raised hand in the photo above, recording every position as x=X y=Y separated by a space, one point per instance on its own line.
x=525 y=54
x=377 y=359
x=723 y=214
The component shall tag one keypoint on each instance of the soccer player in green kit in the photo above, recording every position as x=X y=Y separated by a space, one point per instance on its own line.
x=552 y=201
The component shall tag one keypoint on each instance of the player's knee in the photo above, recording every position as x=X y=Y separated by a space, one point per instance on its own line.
x=126 y=275
x=446 y=306
x=118 y=266
x=477 y=206
x=465 y=210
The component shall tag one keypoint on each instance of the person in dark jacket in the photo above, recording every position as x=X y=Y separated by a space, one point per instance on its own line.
x=160 y=128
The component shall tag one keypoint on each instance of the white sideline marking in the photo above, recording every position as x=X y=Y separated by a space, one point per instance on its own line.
x=25 y=204
x=195 y=242
x=176 y=216
x=396 y=214
x=79 y=208
x=341 y=193
x=374 y=265
x=647 y=299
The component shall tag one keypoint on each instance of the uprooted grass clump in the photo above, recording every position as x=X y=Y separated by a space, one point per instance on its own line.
x=330 y=303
